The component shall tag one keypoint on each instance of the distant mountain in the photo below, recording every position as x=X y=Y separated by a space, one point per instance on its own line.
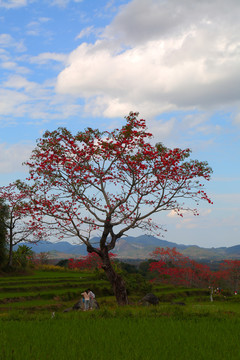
x=59 y=247
x=149 y=240
x=232 y=249
x=136 y=248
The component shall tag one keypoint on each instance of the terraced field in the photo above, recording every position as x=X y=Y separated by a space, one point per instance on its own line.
x=47 y=290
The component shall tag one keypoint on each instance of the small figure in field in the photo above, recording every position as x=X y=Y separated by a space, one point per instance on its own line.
x=88 y=300
x=86 y=297
x=91 y=298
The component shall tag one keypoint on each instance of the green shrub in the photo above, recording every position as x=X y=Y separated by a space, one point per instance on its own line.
x=136 y=284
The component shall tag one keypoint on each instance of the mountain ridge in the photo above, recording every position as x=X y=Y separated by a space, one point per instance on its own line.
x=136 y=248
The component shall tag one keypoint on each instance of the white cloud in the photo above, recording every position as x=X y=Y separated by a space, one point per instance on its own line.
x=35 y=27
x=8 y=65
x=189 y=221
x=142 y=20
x=14 y=67
x=12 y=157
x=21 y=98
x=85 y=32
x=11 y=102
x=63 y=3
x=44 y=58
x=187 y=215
x=7 y=41
x=158 y=56
x=237 y=119
x=163 y=129
x=187 y=224
x=19 y=82
x=9 y=4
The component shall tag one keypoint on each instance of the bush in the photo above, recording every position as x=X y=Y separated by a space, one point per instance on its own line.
x=136 y=284
x=22 y=257
x=50 y=268
x=63 y=263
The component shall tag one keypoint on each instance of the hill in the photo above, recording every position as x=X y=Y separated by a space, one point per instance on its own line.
x=136 y=248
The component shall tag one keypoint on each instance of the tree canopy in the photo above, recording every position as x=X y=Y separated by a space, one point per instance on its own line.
x=18 y=224
x=107 y=183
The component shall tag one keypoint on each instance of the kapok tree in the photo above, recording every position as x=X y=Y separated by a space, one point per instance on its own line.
x=19 y=224
x=89 y=262
x=229 y=273
x=110 y=182
x=173 y=267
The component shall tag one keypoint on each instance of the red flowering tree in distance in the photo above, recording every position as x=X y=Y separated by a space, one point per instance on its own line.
x=229 y=274
x=111 y=182
x=175 y=268
x=89 y=262
x=19 y=223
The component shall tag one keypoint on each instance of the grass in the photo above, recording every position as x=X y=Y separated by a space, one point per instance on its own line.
x=82 y=337
x=201 y=329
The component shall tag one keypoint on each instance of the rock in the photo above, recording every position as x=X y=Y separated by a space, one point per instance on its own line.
x=80 y=306
x=149 y=299
x=77 y=306
x=95 y=304
x=68 y=309
x=178 y=303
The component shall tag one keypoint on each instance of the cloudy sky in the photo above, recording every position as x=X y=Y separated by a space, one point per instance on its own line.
x=80 y=63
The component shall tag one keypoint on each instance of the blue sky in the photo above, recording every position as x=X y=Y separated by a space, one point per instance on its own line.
x=79 y=63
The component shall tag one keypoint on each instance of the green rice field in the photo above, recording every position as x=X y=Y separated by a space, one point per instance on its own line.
x=33 y=325
x=120 y=338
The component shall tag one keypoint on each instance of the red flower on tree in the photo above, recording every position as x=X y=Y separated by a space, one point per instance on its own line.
x=175 y=268
x=89 y=262
x=110 y=182
x=229 y=274
x=19 y=224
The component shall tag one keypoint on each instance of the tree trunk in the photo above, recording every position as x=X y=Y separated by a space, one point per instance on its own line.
x=118 y=284
x=10 y=256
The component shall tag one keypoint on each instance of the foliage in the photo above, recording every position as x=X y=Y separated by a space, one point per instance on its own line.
x=63 y=263
x=136 y=284
x=40 y=259
x=129 y=268
x=47 y=267
x=172 y=267
x=89 y=262
x=229 y=274
x=22 y=257
x=144 y=269
x=19 y=224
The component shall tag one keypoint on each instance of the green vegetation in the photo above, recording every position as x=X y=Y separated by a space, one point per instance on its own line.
x=59 y=287
x=120 y=338
x=33 y=325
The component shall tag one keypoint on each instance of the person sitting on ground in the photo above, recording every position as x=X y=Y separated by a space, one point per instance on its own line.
x=86 y=297
x=91 y=297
